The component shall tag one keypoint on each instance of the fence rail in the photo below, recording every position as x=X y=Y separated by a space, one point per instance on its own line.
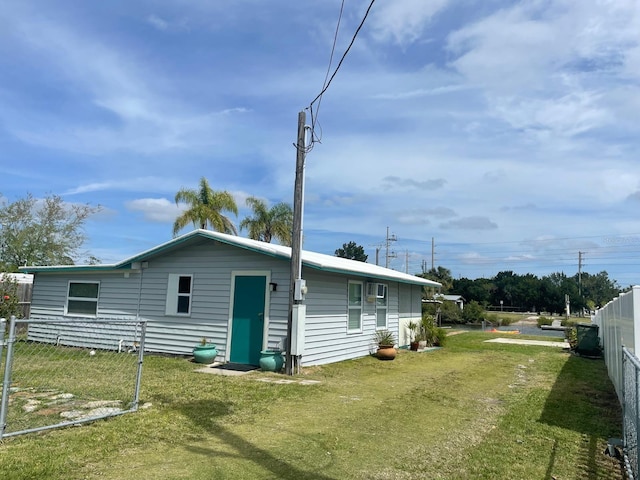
x=68 y=372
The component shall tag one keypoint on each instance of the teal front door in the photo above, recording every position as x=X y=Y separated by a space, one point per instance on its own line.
x=247 y=325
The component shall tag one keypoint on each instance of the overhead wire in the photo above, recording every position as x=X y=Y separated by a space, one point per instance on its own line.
x=314 y=117
x=327 y=83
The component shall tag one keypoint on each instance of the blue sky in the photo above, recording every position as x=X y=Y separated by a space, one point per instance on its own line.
x=506 y=131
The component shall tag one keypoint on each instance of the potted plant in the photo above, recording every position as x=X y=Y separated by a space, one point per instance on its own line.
x=386 y=342
x=205 y=352
x=433 y=335
x=271 y=360
x=413 y=341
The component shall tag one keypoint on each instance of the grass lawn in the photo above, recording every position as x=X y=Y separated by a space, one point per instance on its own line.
x=472 y=410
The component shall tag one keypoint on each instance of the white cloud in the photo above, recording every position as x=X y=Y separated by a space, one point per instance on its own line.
x=470 y=223
x=151 y=118
x=155 y=209
x=158 y=22
x=138 y=184
x=393 y=181
x=404 y=21
x=421 y=92
x=544 y=67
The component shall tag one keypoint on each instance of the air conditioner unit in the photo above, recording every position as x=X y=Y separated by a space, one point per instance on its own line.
x=376 y=290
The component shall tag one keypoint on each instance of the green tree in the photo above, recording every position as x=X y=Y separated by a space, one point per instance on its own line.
x=352 y=251
x=205 y=208
x=599 y=289
x=473 y=312
x=441 y=275
x=44 y=231
x=447 y=311
x=269 y=223
x=479 y=289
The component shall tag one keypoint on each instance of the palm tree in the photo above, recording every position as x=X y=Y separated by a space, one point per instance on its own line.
x=269 y=223
x=205 y=207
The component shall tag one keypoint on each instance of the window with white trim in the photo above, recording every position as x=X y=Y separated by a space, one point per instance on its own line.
x=179 y=290
x=381 y=310
x=82 y=298
x=355 y=307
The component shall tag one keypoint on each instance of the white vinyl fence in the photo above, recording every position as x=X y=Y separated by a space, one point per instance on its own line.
x=619 y=325
x=619 y=330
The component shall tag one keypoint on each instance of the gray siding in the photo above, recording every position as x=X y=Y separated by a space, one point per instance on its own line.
x=327 y=339
x=211 y=265
x=410 y=308
x=143 y=293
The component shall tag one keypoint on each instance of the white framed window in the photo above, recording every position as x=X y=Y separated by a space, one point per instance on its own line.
x=354 y=320
x=82 y=298
x=381 y=309
x=179 y=291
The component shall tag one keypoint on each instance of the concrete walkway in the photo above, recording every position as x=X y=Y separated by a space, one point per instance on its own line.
x=539 y=343
x=231 y=369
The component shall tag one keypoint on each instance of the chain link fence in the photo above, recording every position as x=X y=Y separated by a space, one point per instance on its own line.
x=67 y=372
x=630 y=411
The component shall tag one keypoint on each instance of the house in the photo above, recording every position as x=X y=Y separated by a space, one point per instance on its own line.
x=235 y=292
x=457 y=299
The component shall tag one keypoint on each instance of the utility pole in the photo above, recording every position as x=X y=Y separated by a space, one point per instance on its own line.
x=406 y=262
x=297 y=285
x=433 y=253
x=580 y=273
x=388 y=241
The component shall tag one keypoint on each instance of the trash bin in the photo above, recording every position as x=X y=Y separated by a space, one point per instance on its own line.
x=588 y=342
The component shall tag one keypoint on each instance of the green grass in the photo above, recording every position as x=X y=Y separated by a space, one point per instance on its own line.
x=472 y=410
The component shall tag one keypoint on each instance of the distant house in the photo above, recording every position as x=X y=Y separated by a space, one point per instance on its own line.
x=457 y=299
x=235 y=292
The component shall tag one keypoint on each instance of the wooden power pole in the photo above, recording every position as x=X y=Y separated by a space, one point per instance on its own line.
x=297 y=287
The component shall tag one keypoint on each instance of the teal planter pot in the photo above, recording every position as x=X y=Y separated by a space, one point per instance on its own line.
x=271 y=360
x=205 y=353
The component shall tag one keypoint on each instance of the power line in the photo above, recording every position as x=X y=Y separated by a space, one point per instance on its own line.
x=344 y=55
x=324 y=84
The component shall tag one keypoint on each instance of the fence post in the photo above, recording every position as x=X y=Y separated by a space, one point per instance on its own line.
x=6 y=384
x=136 y=396
x=637 y=419
x=3 y=325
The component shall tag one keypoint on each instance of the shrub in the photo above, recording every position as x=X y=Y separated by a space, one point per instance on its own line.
x=542 y=320
x=571 y=322
x=506 y=320
x=450 y=313
x=384 y=338
x=473 y=312
x=571 y=334
x=431 y=333
x=9 y=304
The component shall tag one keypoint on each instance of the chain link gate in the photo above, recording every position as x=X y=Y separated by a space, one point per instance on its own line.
x=56 y=373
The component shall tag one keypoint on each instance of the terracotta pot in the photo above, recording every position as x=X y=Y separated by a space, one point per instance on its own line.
x=386 y=352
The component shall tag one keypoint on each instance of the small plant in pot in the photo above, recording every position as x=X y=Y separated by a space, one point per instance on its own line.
x=386 y=342
x=413 y=340
x=205 y=352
